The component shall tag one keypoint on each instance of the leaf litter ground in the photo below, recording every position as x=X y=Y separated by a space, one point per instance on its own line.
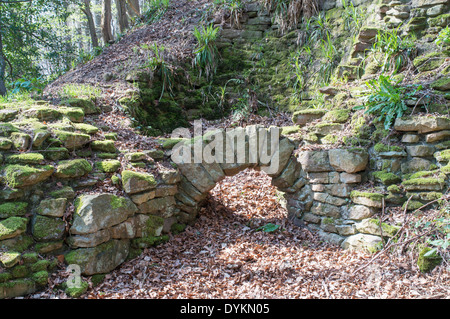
x=224 y=256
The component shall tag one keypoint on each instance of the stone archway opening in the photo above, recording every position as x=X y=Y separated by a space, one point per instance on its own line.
x=249 y=198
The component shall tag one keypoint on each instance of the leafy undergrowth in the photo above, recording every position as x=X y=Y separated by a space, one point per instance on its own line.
x=229 y=253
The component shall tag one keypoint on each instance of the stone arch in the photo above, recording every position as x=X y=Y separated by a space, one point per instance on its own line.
x=197 y=179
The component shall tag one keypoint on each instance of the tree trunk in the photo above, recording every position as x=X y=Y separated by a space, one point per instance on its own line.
x=134 y=9
x=106 y=22
x=122 y=15
x=2 y=67
x=91 y=23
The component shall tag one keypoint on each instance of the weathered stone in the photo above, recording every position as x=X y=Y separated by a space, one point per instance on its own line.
x=16 y=288
x=20 y=176
x=311 y=218
x=420 y=150
x=328 y=210
x=346 y=230
x=161 y=205
x=39 y=138
x=331 y=238
x=410 y=138
x=12 y=227
x=426 y=3
x=21 y=141
x=197 y=176
x=47 y=228
x=347 y=178
x=135 y=182
x=438 y=136
x=424 y=184
x=328 y=128
x=306 y=116
x=349 y=161
x=52 y=207
x=422 y=124
x=72 y=140
x=100 y=211
x=367 y=199
x=328 y=199
x=5 y=144
x=416 y=164
x=144 y=197
x=89 y=240
x=100 y=259
x=372 y=226
x=314 y=161
x=436 y=10
x=289 y=175
x=170 y=176
x=362 y=242
x=73 y=168
x=166 y=190
x=7 y=115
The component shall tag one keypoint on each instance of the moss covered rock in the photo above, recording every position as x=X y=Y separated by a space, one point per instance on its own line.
x=12 y=227
x=108 y=166
x=87 y=105
x=106 y=146
x=73 y=168
x=428 y=263
x=72 y=140
x=19 y=176
x=25 y=158
x=47 y=228
x=13 y=209
x=135 y=182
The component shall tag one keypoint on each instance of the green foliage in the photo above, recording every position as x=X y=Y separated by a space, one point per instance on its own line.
x=206 y=53
x=331 y=60
x=157 y=8
x=163 y=69
x=87 y=91
x=268 y=228
x=443 y=37
x=387 y=99
x=234 y=8
x=396 y=51
x=353 y=17
x=32 y=85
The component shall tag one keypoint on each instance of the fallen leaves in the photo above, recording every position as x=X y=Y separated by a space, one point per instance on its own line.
x=222 y=256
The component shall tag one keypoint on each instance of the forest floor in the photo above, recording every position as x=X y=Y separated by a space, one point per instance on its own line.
x=223 y=256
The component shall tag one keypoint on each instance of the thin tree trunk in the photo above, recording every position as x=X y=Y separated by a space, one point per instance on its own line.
x=122 y=15
x=134 y=9
x=2 y=67
x=91 y=23
x=106 y=22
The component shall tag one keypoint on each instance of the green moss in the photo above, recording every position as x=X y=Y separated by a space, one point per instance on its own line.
x=12 y=226
x=422 y=174
x=287 y=130
x=41 y=277
x=40 y=265
x=412 y=205
x=372 y=196
x=337 y=116
x=115 y=180
x=127 y=175
x=386 y=178
x=177 y=228
x=382 y=148
x=107 y=155
x=111 y=136
x=13 y=209
x=439 y=21
x=25 y=158
x=394 y=189
x=97 y=279
x=18 y=176
x=135 y=157
x=86 y=128
x=72 y=140
x=387 y=229
x=74 y=114
x=427 y=264
x=108 y=166
x=118 y=202
x=47 y=228
x=73 y=168
x=171 y=142
x=87 y=105
x=30 y=258
x=5 y=276
x=106 y=146
x=423 y=181
x=9 y=259
x=65 y=192
x=20 y=271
